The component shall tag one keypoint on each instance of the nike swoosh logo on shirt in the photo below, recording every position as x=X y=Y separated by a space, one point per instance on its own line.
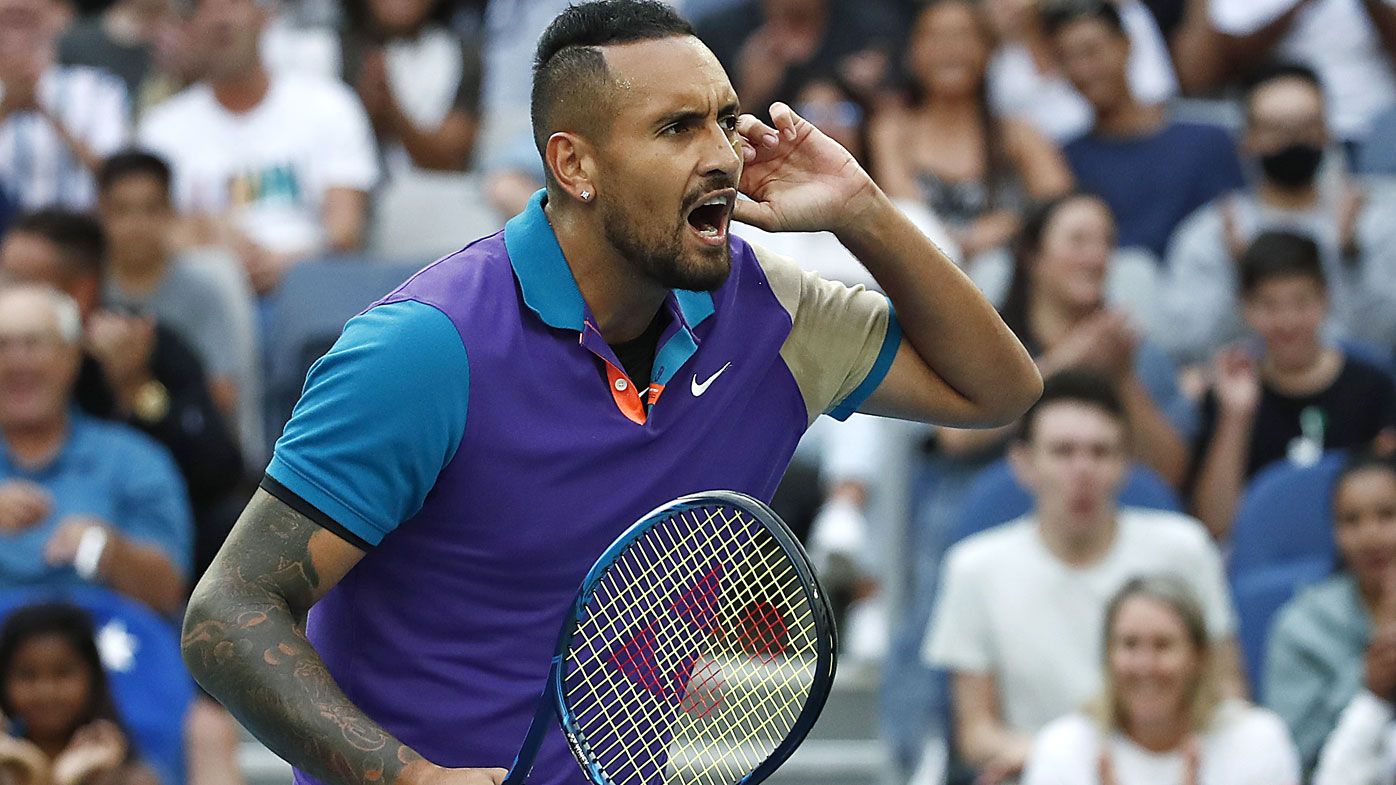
x=700 y=388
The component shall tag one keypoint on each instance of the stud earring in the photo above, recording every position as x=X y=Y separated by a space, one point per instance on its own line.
x=586 y=196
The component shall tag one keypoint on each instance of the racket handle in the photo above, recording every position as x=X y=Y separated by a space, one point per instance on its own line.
x=543 y=718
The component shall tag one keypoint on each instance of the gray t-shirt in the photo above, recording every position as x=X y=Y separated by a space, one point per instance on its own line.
x=206 y=299
x=1200 y=299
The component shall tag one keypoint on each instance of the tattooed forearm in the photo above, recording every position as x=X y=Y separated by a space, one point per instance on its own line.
x=244 y=640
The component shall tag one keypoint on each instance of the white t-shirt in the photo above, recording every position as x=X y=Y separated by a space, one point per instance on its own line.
x=1009 y=608
x=1335 y=38
x=1245 y=746
x=269 y=167
x=1050 y=104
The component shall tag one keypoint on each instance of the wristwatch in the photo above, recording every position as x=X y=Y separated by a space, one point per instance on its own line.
x=151 y=402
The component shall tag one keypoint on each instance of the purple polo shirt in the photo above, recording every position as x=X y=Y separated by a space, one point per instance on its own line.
x=477 y=437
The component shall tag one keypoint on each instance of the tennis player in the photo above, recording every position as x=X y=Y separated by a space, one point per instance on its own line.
x=385 y=609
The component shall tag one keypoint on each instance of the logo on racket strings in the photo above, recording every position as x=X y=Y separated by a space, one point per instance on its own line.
x=695 y=683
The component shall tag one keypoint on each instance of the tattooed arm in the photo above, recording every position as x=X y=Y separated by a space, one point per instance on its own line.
x=244 y=640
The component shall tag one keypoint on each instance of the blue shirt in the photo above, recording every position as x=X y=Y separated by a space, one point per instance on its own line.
x=105 y=471
x=475 y=434
x=1153 y=182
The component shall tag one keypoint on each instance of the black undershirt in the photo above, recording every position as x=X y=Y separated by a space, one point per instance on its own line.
x=637 y=355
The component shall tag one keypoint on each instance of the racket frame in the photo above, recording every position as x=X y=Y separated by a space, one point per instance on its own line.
x=552 y=703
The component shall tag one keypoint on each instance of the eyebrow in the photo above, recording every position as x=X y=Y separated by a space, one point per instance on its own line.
x=691 y=115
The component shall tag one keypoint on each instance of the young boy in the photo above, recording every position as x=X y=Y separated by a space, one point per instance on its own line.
x=1299 y=397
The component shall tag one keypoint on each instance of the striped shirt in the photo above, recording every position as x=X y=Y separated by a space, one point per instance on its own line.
x=36 y=164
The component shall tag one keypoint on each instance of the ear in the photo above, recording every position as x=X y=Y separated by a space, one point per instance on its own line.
x=1020 y=461
x=572 y=162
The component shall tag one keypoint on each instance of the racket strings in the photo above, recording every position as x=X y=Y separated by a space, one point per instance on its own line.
x=618 y=704
x=717 y=647
x=614 y=703
x=757 y=719
x=631 y=700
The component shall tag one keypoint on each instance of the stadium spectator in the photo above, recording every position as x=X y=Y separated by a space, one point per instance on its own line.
x=57 y=122
x=1026 y=82
x=276 y=166
x=1060 y=306
x=1334 y=645
x=948 y=150
x=85 y=501
x=1300 y=397
x=1057 y=305
x=130 y=39
x=136 y=371
x=1153 y=171
x=201 y=294
x=64 y=725
x=1348 y=217
x=418 y=80
x=1349 y=43
x=1162 y=718
x=1020 y=613
x=773 y=48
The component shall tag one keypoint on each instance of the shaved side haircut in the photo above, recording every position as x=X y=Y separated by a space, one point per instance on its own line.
x=573 y=89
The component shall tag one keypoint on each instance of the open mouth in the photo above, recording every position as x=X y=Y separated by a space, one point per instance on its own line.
x=709 y=219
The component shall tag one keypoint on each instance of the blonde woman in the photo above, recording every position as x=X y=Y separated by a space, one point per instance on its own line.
x=1161 y=719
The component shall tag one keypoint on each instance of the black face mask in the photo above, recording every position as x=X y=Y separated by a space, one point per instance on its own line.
x=1294 y=166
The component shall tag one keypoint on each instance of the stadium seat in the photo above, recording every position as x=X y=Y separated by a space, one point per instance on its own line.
x=995 y=497
x=149 y=683
x=1377 y=355
x=1285 y=517
x=308 y=312
x=1259 y=594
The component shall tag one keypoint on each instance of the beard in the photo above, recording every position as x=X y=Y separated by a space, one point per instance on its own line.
x=663 y=258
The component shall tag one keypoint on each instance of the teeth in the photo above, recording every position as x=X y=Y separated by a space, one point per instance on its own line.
x=716 y=200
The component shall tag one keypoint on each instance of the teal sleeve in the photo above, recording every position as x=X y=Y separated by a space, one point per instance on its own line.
x=891 y=341
x=381 y=415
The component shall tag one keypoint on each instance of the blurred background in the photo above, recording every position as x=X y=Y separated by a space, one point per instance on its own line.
x=1181 y=206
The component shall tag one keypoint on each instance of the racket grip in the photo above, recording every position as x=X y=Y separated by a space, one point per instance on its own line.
x=543 y=717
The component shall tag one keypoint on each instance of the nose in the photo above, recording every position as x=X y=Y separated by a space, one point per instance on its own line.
x=721 y=157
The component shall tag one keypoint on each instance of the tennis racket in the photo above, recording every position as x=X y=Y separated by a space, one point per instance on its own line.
x=700 y=651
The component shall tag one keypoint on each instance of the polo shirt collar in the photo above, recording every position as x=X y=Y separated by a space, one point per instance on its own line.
x=550 y=291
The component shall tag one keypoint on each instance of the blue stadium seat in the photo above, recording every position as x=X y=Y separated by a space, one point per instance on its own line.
x=308 y=312
x=995 y=497
x=149 y=683
x=1259 y=594
x=1285 y=516
x=1374 y=354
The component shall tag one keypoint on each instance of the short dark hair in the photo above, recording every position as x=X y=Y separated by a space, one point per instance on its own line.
x=1280 y=254
x=1056 y=16
x=569 y=71
x=131 y=163
x=79 y=237
x=1274 y=72
x=1074 y=385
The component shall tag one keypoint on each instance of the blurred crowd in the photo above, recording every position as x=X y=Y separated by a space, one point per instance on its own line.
x=1179 y=567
